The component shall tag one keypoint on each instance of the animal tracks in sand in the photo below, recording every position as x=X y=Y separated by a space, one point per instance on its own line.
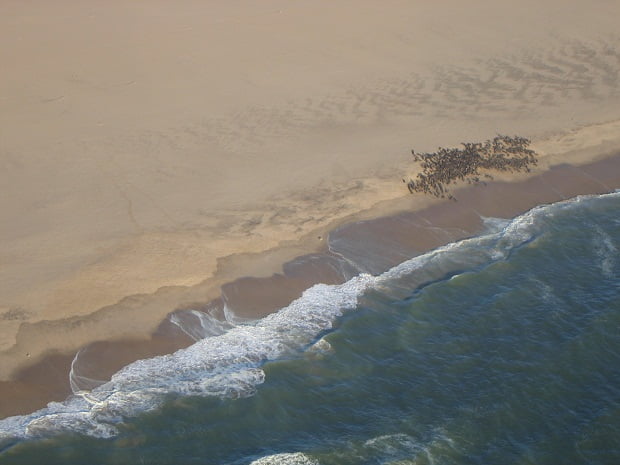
x=518 y=83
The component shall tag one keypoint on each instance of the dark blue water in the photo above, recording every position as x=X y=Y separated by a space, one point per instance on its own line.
x=499 y=349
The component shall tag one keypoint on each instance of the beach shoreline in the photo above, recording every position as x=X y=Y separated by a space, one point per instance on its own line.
x=154 y=154
x=407 y=226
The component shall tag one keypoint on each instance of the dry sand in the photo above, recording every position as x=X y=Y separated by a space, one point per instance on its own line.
x=152 y=151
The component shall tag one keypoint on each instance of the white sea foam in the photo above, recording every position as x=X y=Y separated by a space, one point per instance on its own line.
x=230 y=364
x=393 y=444
x=321 y=347
x=294 y=458
x=199 y=325
x=492 y=224
x=404 y=449
x=79 y=382
x=606 y=251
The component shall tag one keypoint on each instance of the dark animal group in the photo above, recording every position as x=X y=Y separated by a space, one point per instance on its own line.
x=469 y=163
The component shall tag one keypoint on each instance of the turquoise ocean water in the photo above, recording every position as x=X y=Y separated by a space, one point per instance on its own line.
x=502 y=348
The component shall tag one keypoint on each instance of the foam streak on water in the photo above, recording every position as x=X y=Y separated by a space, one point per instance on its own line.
x=230 y=364
x=294 y=458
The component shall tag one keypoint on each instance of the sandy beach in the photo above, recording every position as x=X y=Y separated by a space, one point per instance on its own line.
x=152 y=153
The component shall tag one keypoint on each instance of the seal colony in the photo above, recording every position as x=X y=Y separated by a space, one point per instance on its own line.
x=447 y=165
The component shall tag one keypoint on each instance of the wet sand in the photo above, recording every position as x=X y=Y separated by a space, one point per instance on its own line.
x=372 y=246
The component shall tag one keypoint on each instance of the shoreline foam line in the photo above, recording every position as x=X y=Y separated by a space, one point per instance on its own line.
x=380 y=241
x=230 y=365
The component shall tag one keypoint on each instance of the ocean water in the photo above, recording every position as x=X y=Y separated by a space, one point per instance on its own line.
x=501 y=348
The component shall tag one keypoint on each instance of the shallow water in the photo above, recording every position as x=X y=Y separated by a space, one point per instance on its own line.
x=503 y=348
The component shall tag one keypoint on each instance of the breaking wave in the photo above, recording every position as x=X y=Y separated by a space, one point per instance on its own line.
x=227 y=359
